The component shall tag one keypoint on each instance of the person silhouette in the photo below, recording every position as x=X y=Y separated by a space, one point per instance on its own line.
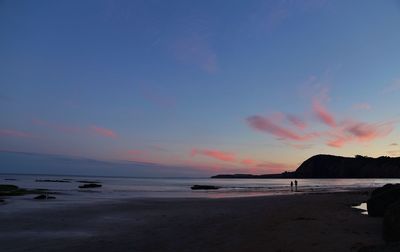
x=291 y=186
x=295 y=185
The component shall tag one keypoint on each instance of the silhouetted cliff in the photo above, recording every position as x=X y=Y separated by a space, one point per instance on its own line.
x=328 y=166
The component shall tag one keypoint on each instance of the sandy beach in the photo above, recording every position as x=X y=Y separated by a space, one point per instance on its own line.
x=298 y=222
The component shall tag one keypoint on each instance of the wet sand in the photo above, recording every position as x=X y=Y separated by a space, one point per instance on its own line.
x=298 y=222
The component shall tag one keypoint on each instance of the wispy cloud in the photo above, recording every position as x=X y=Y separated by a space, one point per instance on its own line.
x=158 y=98
x=351 y=131
x=248 y=161
x=265 y=124
x=15 y=133
x=103 y=131
x=322 y=113
x=361 y=106
x=297 y=121
x=273 y=14
x=195 y=49
x=392 y=87
x=339 y=133
x=216 y=154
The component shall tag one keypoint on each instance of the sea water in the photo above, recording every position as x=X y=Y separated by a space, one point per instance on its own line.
x=120 y=188
x=130 y=187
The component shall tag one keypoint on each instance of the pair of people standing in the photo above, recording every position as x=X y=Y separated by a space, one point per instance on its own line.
x=295 y=186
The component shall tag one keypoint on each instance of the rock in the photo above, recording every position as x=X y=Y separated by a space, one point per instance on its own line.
x=88 y=182
x=13 y=190
x=385 y=188
x=388 y=247
x=44 y=197
x=53 y=180
x=7 y=188
x=391 y=223
x=382 y=198
x=91 y=185
x=204 y=187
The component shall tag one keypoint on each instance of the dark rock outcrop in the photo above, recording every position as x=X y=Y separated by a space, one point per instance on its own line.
x=205 y=187
x=328 y=166
x=391 y=223
x=13 y=190
x=381 y=198
x=44 y=197
x=53 y=180
x=88 y=181
x=91 y=185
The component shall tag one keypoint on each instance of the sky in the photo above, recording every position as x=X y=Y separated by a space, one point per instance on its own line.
x=197 y=87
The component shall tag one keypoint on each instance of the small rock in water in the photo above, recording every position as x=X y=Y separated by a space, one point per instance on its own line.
x=44 y=197
x=53 y=180
x=205 y=187
x=88 y=182
x=91 y=185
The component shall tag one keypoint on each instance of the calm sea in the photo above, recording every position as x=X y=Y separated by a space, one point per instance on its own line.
x=120 y=188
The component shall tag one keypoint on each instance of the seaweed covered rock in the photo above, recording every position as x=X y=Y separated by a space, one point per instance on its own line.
x=91 y=185
x=10 y=190
x=204 y=187
x=382 y=198
x=13 y=190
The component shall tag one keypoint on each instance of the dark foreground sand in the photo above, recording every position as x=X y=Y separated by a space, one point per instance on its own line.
x=310 y=222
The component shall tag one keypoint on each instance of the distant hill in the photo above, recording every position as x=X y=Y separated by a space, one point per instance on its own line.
x=329 y=166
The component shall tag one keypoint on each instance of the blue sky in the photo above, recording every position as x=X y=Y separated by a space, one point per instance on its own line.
x=213 y=86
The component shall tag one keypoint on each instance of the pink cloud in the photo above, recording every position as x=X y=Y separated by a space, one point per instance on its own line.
x=367 y=132
x=103 y=131
x=265 y=124
x=339 y=133
x=216 y=154
x=247 y=161
x=359 y=131
x=297 y=121
x=15 y=133
x=323 y=114
x=338 y=142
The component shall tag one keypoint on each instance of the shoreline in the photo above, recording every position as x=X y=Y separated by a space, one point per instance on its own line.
x=296 y=222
